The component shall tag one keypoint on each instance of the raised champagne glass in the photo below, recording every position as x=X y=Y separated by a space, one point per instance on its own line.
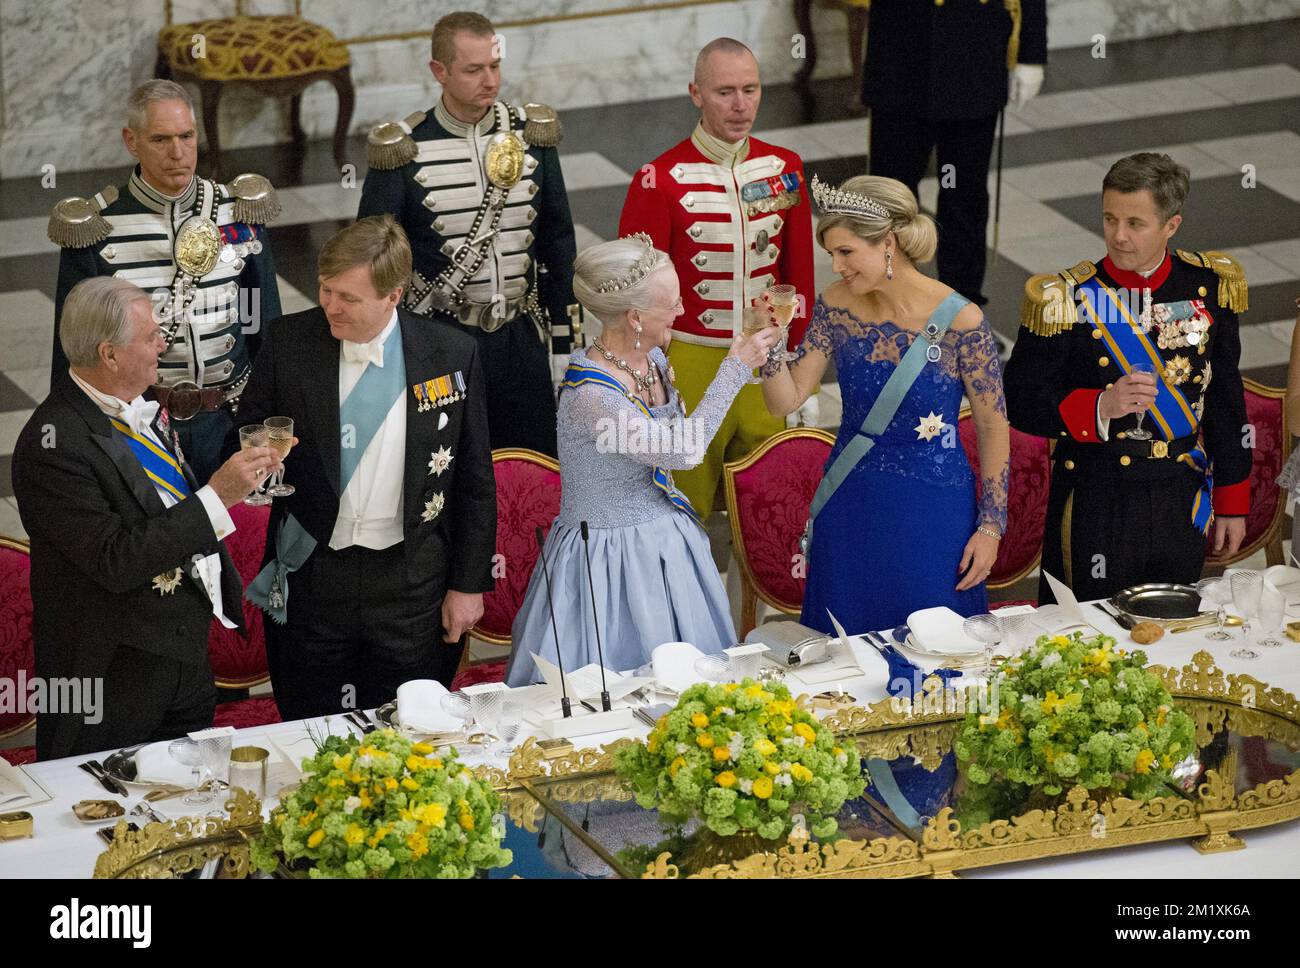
x=783 y=299
x=255 y=435
x=280 y=439
x=1138 y=432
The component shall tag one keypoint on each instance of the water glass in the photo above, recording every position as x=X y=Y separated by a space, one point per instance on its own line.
x=1217 y=591
x=186 y=752
x=1246 y=589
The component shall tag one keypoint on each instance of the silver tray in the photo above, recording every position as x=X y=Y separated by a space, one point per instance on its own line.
x=1159 y=602
x=121 y=766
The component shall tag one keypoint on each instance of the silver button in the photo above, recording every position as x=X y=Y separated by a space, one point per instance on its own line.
x=109 y=252
x=532 y=188
x=700 y=259
x=528 y=238
x=226 y=368
x=448 y=247
x=423 y=178
x=695 y=231
x=707 y=317
x=438 y=224
x=776 y=226
x=689 y=201
x=230 y=342
x=772 y=250
x=239 y=264
x=702 y=288
x=430 y=202
x=677 y=171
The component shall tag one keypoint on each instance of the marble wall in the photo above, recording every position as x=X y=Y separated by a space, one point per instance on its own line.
x=65 y=65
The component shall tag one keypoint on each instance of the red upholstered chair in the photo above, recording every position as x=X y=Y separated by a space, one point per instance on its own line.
x=1030 y=477
x=528 y=497
x=16 y=652
x=1266 y=412
x=238 y=662
x=494 y=671
x=768 y=494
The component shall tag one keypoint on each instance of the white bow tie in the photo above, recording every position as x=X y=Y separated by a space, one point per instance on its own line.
x=372 y=352
x=139 y=416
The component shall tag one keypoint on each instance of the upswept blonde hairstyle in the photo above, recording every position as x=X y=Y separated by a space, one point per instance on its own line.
x=915 y=231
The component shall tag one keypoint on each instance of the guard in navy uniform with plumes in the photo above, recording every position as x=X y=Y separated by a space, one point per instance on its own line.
x=199 y=248
x=937 y=74
x=1146 y=464
x=476 y=184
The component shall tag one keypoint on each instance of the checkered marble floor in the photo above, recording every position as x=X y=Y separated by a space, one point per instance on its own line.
x=1226 y=103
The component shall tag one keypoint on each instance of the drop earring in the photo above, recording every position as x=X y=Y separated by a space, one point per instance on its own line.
x=636 y=344
x=889 y=263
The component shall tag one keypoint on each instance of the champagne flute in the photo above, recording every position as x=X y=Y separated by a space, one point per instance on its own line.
x=1246 y=589
x=783 y=299
x=1138 y=433
x=1218 y=591
x=751 y=322
x=279 y=432
x=255 y=435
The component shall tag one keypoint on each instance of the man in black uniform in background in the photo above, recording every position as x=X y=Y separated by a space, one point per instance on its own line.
x=1127 y=508
x=937 y=74
x=476 y=184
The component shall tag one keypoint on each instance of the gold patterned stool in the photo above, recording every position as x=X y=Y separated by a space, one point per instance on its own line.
x=279 y=56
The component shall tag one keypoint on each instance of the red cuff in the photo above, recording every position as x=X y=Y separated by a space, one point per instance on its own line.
x=1079 y=413
x=1232 y=499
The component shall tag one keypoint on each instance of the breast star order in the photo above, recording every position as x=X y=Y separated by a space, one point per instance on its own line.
x=167 y=582
x=433 y=507
x=440 y=461
x=930 y=426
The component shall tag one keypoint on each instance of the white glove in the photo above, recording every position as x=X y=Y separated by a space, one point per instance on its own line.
x=559 y=363
x=1026 y=80
x=807 y=415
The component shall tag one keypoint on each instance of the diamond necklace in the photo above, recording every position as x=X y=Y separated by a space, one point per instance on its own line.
x=644 y=383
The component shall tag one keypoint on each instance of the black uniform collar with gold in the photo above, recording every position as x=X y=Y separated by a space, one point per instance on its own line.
x=154 y=200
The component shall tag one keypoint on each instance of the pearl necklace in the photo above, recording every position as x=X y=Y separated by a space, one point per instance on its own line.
x=644 y=383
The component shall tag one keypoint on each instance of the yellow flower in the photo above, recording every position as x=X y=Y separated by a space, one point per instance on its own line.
x=306 y=819
x=354 y=834
x=355 y=777
x=335 y=782
x=676 y=765
x=837 y=751
x=765 y=747
x=467 y=821
x=424 y=749
x=725 y=779
x=1060 y=640
x=343 y=762
x=1144 y=761
x=409 y=784
x=653 y=741
x=390 y=784
x=435 y=815
x=705 y=740
x=763 y=787
x=1160 y=715
x=699 y=720
x=316 y=837
x=801 y=772
x=378 y=835
x=414 y=763
x=1167 y=761
x=1099 y=659
x=1052 y=703
x=754 y=691
x=721 y=753
x=771 y=768
x=807 y=732
x=418 y=845
x=731 y=687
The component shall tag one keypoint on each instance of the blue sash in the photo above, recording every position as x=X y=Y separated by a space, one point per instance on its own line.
x=1172 y=414
x=882 y=411
x=160 y=467
x=576 y=375
x=369 y=402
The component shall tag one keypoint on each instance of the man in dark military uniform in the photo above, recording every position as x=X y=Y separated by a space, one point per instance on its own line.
x=199 y=248
x=1146 y=463
x=476 y=184
x=937 y=74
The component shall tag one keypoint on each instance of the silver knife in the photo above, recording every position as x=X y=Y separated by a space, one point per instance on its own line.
x=1123 y=621
x=107 y=782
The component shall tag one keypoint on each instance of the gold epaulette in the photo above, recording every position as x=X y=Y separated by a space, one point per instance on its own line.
x=75 y=222
x=255 y=200
x=1049 y=306
x=1232 y=277
x=542 y=126
x=390 y=145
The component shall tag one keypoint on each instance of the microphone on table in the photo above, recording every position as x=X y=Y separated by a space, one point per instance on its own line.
x=600 y=657
x=565 y=706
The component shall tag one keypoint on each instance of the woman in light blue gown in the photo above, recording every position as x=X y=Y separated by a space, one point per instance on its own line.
x=622 y=430
x=900 y=528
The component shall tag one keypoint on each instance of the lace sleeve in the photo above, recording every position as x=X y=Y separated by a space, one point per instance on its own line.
x=981 y=372
x=676 y=443
x=817 y=340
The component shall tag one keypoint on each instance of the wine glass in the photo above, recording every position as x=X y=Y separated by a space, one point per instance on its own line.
x=486 y=707
x=279 y=432
x=988 y=630
x=508 y=729
x=1272 y=607
x=1138 y=433
x=1218 y=591
x=255 y=435
x=751 y=322
x=214 y=752
x=782 y=299
x=457 y=705
x=1246 y=589
x=186 y=752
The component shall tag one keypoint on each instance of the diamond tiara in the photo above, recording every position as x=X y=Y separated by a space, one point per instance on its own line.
x=836 y=201
x=640 y=268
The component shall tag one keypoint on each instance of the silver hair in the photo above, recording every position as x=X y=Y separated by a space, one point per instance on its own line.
x=137 y=105
x=98 y=310
x=598 y=264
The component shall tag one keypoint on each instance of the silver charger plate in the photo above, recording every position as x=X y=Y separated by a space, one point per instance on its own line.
x=914 y=646
x=386 y=715
x=121 y=766
x=1159 y=602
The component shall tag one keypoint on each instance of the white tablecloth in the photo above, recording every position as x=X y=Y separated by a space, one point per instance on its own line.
x=63 y=847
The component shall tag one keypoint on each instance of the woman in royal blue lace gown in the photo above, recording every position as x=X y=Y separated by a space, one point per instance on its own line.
x=903 y=530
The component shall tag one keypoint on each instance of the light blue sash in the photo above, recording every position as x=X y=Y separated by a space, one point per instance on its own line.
x=368 y=404
x=269 y=591
x=882 y=411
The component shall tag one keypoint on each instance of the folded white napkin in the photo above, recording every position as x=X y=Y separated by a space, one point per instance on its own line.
x=154 y=764
x=939 y=629
x=674 y=665
x=419 y=706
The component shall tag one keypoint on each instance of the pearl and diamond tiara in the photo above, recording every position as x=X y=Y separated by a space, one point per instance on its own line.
x=639 y=269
